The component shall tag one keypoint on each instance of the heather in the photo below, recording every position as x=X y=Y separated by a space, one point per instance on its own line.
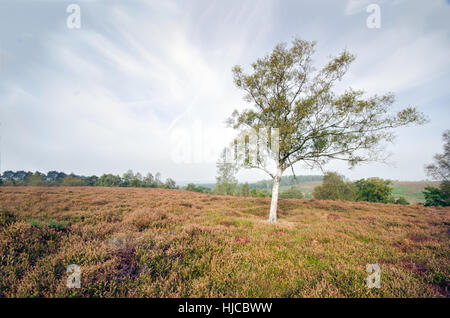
x=149 y=242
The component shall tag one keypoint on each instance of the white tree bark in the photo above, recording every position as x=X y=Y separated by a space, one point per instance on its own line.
x=274 y=203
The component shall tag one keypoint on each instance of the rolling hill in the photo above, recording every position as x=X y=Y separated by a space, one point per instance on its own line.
x=410 y=190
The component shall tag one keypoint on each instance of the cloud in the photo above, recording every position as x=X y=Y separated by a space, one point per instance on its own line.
x=140 y=79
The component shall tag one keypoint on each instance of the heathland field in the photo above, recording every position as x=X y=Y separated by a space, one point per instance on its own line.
x=135 y=242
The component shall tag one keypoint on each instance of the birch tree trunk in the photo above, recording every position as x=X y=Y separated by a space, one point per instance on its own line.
x=274 y=202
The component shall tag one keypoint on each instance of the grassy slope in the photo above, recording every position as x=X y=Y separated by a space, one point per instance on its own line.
x=306 y=187
x=410 y=190
x=170 y=243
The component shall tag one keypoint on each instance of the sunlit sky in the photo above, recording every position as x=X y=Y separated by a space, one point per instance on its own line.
x=147 y=85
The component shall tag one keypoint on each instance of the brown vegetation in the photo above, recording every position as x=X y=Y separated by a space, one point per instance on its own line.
x=136 y=242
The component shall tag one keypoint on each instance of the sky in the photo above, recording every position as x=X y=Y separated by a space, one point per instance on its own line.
x=147 y=85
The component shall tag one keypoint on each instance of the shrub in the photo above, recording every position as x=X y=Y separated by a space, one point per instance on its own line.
x=334 y=188
x=245 y=192
x=402 y=201
x=57 y=225
x=170 y=184
x=36 y=179
x=200 y=189
x=72 y=181
x=374 y=190
x=436 y=197
x=109 y=180
x=259 y=193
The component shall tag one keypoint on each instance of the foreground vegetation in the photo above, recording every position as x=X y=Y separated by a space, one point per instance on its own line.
x=137 y=242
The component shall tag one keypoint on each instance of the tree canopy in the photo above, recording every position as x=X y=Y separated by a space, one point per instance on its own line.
x=374 y=190
x=335 y=188
x=55 y=178
x=226 y=181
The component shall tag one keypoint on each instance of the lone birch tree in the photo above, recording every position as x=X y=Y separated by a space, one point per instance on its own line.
x=314 y=123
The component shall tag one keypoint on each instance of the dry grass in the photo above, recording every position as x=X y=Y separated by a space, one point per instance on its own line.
x=167 y=243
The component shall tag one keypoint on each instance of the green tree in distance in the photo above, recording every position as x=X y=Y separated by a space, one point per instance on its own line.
x=36 y=179
x=335 y=188
x=72 y=181
x=127 y=177
x=226 y=181
x=292 y=193
x=435 y=197
x=374 y=190
x=148 y=180
x=440 y=169
x=109 y=180
x=170 y=184
x=157 y=182
x=245 y=192
x=136 y=180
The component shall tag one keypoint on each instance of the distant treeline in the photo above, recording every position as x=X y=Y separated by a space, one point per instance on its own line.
x=56 y=178
x=261 y=188
x=267 y=184
x=285 y=181
x=239 y=190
